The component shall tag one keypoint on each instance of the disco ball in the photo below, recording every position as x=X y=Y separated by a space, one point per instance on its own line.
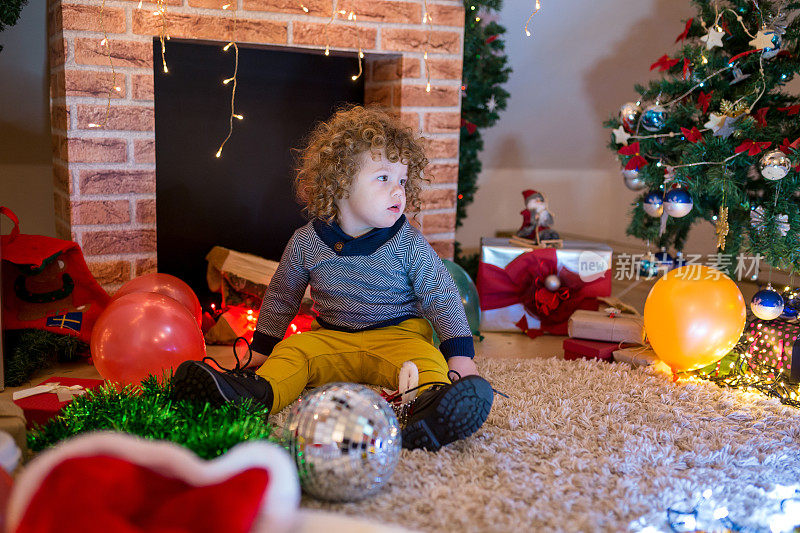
x=345 y=441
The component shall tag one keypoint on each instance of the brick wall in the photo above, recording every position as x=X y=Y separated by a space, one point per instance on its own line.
x=105 y=178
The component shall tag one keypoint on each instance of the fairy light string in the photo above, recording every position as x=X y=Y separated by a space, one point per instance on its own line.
x=107 y=45
x=428 y=20
x=537 y=7
x=352 y=16
x=233 y=79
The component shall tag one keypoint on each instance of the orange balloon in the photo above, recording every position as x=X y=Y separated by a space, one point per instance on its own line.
x=168 y=286
x=693 y=317
x=144 y=333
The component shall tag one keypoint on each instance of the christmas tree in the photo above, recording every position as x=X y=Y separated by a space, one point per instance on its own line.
x=717 y=138
x=482 y=97
x=485 y=68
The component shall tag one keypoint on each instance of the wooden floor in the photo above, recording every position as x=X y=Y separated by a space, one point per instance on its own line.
x=499 y=345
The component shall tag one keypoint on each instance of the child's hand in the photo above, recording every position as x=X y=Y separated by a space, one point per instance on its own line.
x=465 y=366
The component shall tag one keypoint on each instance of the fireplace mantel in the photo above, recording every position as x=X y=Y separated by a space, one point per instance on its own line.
x=105 y=178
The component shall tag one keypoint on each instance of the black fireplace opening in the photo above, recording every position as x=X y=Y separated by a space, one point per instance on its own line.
x=243 y=200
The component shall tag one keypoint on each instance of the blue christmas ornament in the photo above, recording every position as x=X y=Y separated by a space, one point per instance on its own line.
x=769 y=53
x=664 y=261
x=654 y=118
x=678 y=203
x=767 y=304
x=653 y=204
x=789 y=312
x=648 y=268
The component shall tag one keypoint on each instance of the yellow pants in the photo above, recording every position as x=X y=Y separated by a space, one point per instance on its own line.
x=374 y=357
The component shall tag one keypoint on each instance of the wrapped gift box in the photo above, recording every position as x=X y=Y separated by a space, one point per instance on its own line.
x=585 y=349
x=775 y=343
x=510 y=275
x=39 y=408
x=636 y=356
x=607 y=327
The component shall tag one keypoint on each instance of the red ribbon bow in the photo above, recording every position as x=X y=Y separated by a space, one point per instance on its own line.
x=522 y=281
x=469 y=125
x=685 y=33
x=693 y=135
x=761 y=116
x=703 y=100
x=752 y=147
x=790 y=110
x=635 y=162
x=664 y=63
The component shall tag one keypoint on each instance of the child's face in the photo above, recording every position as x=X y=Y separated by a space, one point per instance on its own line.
x=377 y=195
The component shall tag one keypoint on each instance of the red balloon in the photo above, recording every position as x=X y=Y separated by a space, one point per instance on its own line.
x=168 y=286
x=144 y=333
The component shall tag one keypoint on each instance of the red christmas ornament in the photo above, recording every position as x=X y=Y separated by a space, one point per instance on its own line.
x=687 y=69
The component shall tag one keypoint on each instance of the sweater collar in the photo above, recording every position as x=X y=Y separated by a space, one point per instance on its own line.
x=343 y=244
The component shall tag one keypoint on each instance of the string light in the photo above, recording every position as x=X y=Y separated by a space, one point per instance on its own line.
x=427 y=19
x=162 y=32
x=105 y=43
x=352 y=16
x=231 y=79
x=536 y=10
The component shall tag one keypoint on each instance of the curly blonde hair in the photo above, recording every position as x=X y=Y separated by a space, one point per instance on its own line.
x=330 y=158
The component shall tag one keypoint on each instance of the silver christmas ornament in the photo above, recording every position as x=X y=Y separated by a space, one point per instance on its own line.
x=774 y=165
x=345 y=440
x=633 y=179
x=629 y=114
x=552 y=283
x=654 y=118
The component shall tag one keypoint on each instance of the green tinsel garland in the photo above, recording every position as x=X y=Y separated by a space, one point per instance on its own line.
x=29 y=350
x=150 y=412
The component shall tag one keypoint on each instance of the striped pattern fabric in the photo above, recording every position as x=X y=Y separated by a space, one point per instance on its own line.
x=403 y=278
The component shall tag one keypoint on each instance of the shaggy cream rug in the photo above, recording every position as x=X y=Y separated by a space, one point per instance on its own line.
x=591 y=446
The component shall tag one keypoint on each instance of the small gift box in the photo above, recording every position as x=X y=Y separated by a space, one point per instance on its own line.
x=44 y=401
x=515 y=293
x=585 y=349
x=608 y=326
x=774 y=343
x=636 y=356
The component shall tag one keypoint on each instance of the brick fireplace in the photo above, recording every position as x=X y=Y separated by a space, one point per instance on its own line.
x=105 y=179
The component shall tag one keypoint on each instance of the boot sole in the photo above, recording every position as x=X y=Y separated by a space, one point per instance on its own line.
x=195 y=383
x=458 y=414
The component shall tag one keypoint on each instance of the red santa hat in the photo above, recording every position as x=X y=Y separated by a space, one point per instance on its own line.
x=527 y=193
x=116 y=482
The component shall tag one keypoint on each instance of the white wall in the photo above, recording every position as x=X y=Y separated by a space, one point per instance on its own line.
x=579 y=65
x=26 y=176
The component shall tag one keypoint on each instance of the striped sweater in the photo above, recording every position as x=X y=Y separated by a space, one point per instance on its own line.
x=379 y=279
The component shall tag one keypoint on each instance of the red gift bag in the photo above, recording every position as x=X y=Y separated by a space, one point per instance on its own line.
x=47 y=285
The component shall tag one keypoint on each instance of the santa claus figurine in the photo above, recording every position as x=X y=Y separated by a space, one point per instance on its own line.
x=536 y=219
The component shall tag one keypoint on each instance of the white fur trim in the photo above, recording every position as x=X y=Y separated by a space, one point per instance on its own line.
x=278 y=505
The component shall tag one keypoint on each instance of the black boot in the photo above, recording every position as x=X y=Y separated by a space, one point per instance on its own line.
x=445 y=413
